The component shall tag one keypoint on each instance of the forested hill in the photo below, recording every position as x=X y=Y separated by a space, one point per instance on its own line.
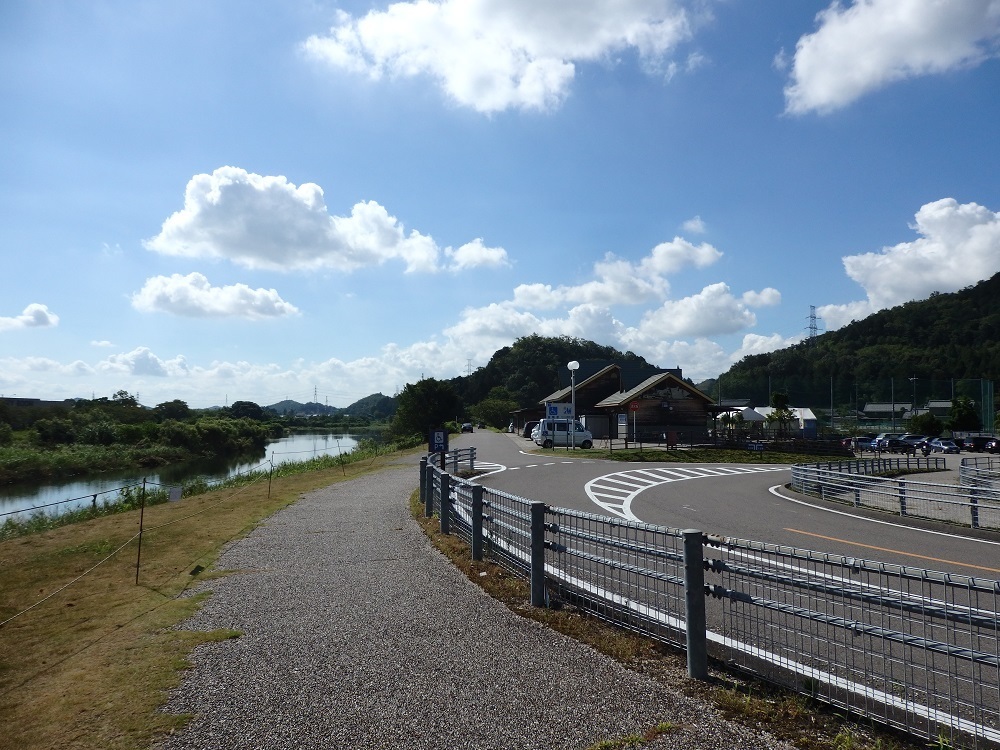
x=535 y=366
x=945 y=338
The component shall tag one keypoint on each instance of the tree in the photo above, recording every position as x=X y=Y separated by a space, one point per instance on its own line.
x=175 y=409
x=963 y=414
x=926 y=424
x=495 y=409
x=422 y=405
x=247 y=409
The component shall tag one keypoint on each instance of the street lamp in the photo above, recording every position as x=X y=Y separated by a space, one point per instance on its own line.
x=913 y=411
x=573 y=367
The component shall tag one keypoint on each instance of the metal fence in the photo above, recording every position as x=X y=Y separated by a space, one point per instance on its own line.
x=914 y=649
x=863 y=484
x=982 y=471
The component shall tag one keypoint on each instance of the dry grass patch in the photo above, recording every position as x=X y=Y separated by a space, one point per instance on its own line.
x=90 y=666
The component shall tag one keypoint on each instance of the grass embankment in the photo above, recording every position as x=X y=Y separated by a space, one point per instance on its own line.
x=88 y=665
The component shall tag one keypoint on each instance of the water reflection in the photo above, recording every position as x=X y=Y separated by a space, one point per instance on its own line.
x=27 y=496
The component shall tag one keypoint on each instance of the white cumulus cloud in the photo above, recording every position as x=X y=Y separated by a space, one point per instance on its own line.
x=268 y=222
x=959 y=245
x=193 y=296
x=33 y=316
x=490 y=55
x=869 y=44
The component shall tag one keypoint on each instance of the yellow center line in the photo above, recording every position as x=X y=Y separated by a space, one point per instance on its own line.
x=895 y=551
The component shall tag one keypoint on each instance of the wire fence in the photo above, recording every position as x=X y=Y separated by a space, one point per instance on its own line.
x=915 y=649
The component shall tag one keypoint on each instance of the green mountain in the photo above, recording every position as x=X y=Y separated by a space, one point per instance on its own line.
x=376 y=407
x=535 y=366
x=945 y=346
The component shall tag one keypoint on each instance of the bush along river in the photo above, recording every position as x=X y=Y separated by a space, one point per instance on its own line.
x=21 y=500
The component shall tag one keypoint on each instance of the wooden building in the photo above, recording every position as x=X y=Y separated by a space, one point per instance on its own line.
x=662 y=408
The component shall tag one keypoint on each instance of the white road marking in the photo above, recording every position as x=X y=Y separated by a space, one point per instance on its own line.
x=616 y=492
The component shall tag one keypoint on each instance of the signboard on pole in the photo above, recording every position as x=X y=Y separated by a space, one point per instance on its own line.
x=438 y=442
x=559 y=411
x=633 y=406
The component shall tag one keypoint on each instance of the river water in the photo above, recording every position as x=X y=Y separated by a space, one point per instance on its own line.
x=17 y=500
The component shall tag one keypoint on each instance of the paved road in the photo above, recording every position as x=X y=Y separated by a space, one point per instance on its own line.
x=743 y=501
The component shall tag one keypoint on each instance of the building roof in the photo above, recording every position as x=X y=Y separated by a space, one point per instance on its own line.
x=803 y=414
x=563 y=394
x=662 y=379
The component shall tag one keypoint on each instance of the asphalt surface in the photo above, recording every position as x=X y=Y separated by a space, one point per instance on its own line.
x=357 y=634
x=745 y=501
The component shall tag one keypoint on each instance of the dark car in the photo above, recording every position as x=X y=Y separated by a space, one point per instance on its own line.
x=976 y=443
x=467 y=427
x=528 y=427
x=992 y=446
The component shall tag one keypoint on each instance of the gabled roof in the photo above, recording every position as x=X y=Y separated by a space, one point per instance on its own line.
x=564 y=394
x=658 y=380
x=803 y=414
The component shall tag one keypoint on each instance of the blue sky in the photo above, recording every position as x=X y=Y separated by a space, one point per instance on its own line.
x=220 y=201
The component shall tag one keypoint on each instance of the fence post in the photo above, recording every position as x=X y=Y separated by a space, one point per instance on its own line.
x=445 y=503
x=974 y=507
x=429 y=499
x=537 y=553
x=477 y=522
x=902 y=497
x=472 y=459
x=694 y=604
x=423 y=480
x=857 y=497
x=454 y=462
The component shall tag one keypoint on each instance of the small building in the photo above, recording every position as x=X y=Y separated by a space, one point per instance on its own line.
x=589 y=392
x=662 y=408
x=803 y=420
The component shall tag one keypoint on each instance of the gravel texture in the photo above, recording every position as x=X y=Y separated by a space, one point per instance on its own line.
x=358 y=634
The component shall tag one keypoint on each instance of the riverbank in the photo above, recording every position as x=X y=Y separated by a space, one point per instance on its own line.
x=22 y=462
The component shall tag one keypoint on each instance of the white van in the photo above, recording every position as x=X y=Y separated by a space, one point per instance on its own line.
x=563 y=432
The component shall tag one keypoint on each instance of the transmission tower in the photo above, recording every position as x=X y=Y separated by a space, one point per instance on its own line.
x=813 y=327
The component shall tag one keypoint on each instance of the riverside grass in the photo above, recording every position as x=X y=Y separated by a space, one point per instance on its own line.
x=90 y=666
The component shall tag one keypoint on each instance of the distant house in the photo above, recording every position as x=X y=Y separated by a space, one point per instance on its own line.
x=804 y=420
x=878 y=411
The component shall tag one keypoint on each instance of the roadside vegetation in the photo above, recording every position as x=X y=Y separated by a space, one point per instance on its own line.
x=84 y=437
x=87 y=652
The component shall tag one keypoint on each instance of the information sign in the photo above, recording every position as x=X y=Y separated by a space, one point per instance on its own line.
x=559 y=411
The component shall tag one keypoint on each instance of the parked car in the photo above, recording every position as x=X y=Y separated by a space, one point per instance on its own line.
x=938 y=445
x=467 y=427
x=528 y=427
x=883 y=438
x=977 y=443
x=992 y=446
x=563 y=432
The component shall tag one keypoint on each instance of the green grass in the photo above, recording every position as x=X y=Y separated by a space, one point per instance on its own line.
x=87 y=655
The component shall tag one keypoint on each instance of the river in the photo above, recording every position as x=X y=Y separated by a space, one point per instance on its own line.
x=16 y=500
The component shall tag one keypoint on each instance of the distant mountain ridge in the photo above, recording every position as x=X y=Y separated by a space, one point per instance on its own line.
x=376 y=406
x=890 y=354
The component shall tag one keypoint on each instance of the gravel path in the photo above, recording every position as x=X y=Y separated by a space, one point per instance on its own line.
x=358 y=634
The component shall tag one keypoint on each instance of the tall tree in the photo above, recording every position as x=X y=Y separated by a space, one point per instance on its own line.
x=422 y=405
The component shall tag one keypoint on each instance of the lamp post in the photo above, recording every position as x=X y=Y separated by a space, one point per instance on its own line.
x=573 y=367
x=913 y=409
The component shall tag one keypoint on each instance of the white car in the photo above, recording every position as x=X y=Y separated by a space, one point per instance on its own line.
x=563 y=432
